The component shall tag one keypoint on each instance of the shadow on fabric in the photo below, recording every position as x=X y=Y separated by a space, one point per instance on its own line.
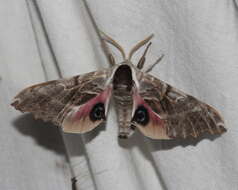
x=44 y=133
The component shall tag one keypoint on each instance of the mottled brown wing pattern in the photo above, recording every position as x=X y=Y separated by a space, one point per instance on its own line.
x=53 y=100
x=180 y=115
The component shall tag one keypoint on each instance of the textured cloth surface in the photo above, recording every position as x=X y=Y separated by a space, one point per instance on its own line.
x=43 y=40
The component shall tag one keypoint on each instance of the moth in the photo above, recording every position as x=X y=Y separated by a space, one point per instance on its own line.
x=158 y=110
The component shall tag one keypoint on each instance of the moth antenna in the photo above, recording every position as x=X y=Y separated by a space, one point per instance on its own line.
x=142 y=59
x=155 y=63
x=114 y=43
x=139 y=45
x=108 y=53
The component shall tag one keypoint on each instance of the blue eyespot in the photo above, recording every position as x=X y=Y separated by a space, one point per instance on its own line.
x=97 y=112
x=141 y=115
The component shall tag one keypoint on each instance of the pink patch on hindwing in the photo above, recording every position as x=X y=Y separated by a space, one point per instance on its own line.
x=153 y=117
x=86 y=108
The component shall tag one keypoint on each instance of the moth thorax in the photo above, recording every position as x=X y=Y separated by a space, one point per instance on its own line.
x=123 y=78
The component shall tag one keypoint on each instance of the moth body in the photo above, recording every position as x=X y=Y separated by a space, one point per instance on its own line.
x=122 y=93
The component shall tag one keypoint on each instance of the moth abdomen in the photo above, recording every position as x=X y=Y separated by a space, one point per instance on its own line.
x=124 y=104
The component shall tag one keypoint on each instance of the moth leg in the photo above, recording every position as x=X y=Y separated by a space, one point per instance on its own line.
x=154 y=64
x=141 y=62
x=133 y=127
x=74 y=181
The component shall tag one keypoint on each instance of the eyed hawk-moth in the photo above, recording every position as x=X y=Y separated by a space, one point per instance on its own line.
x=160 y=111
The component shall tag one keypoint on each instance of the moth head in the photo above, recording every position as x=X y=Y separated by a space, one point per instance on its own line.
x=123 y=77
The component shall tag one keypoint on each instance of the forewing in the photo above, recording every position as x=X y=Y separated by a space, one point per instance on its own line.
x=67 y=102
x=172 y=113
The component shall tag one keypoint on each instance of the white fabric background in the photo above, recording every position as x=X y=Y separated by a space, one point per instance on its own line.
x=41 y=39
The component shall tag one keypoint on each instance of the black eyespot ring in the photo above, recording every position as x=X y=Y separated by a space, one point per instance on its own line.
x=97 y=112
x=141 y=115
